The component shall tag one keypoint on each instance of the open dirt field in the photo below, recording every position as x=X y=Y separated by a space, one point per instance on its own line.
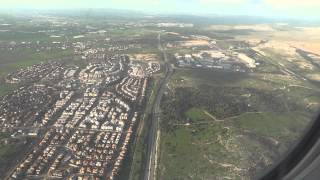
x=306 y=38
x=144 y=57
x=257 y=27
x=315 y=77
x=198 y=42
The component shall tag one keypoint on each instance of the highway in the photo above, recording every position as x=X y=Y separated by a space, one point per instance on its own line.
x=151 y=160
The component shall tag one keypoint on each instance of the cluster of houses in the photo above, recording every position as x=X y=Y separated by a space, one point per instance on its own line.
x=83 y=132
x=137 y=70
x=109 y=114
x=44 y=157
x=92 y=74
x=22 y=107
x=36 y=45
x=64 y=98
x=67 y=114
x=89 y=138
x=141 y=70
x=33 y=73
x=95 y=73
x=97 y=54
x=130 y=87
x=54 y=76
x=92 y=151
x=153 y=67
x=123 y=148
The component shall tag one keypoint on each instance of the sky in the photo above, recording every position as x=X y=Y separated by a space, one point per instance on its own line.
x=299 y=9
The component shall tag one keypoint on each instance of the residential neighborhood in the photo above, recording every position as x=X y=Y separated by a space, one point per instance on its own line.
x=81 y=132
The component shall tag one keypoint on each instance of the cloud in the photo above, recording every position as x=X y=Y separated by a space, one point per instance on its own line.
x=270 y=8
x=225 y=2
x=292 y=3
x=266 y=3
x=302 y=9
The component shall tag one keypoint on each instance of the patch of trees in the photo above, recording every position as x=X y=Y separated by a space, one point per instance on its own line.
x=222 y=101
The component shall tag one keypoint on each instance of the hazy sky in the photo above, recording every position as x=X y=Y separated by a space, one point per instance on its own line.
x=271 y=8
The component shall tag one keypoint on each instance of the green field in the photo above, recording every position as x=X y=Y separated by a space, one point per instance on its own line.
x=275 y=125
x=218 y=125
x=26 y=36
x=7 y=151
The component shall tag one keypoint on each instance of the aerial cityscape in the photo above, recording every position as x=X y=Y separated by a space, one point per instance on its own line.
x=129 y=95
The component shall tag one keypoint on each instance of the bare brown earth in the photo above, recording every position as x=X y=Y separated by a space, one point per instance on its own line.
x=306 y=38
x=144 y=57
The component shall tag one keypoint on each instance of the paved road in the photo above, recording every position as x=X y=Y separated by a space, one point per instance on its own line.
x=149 y=172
